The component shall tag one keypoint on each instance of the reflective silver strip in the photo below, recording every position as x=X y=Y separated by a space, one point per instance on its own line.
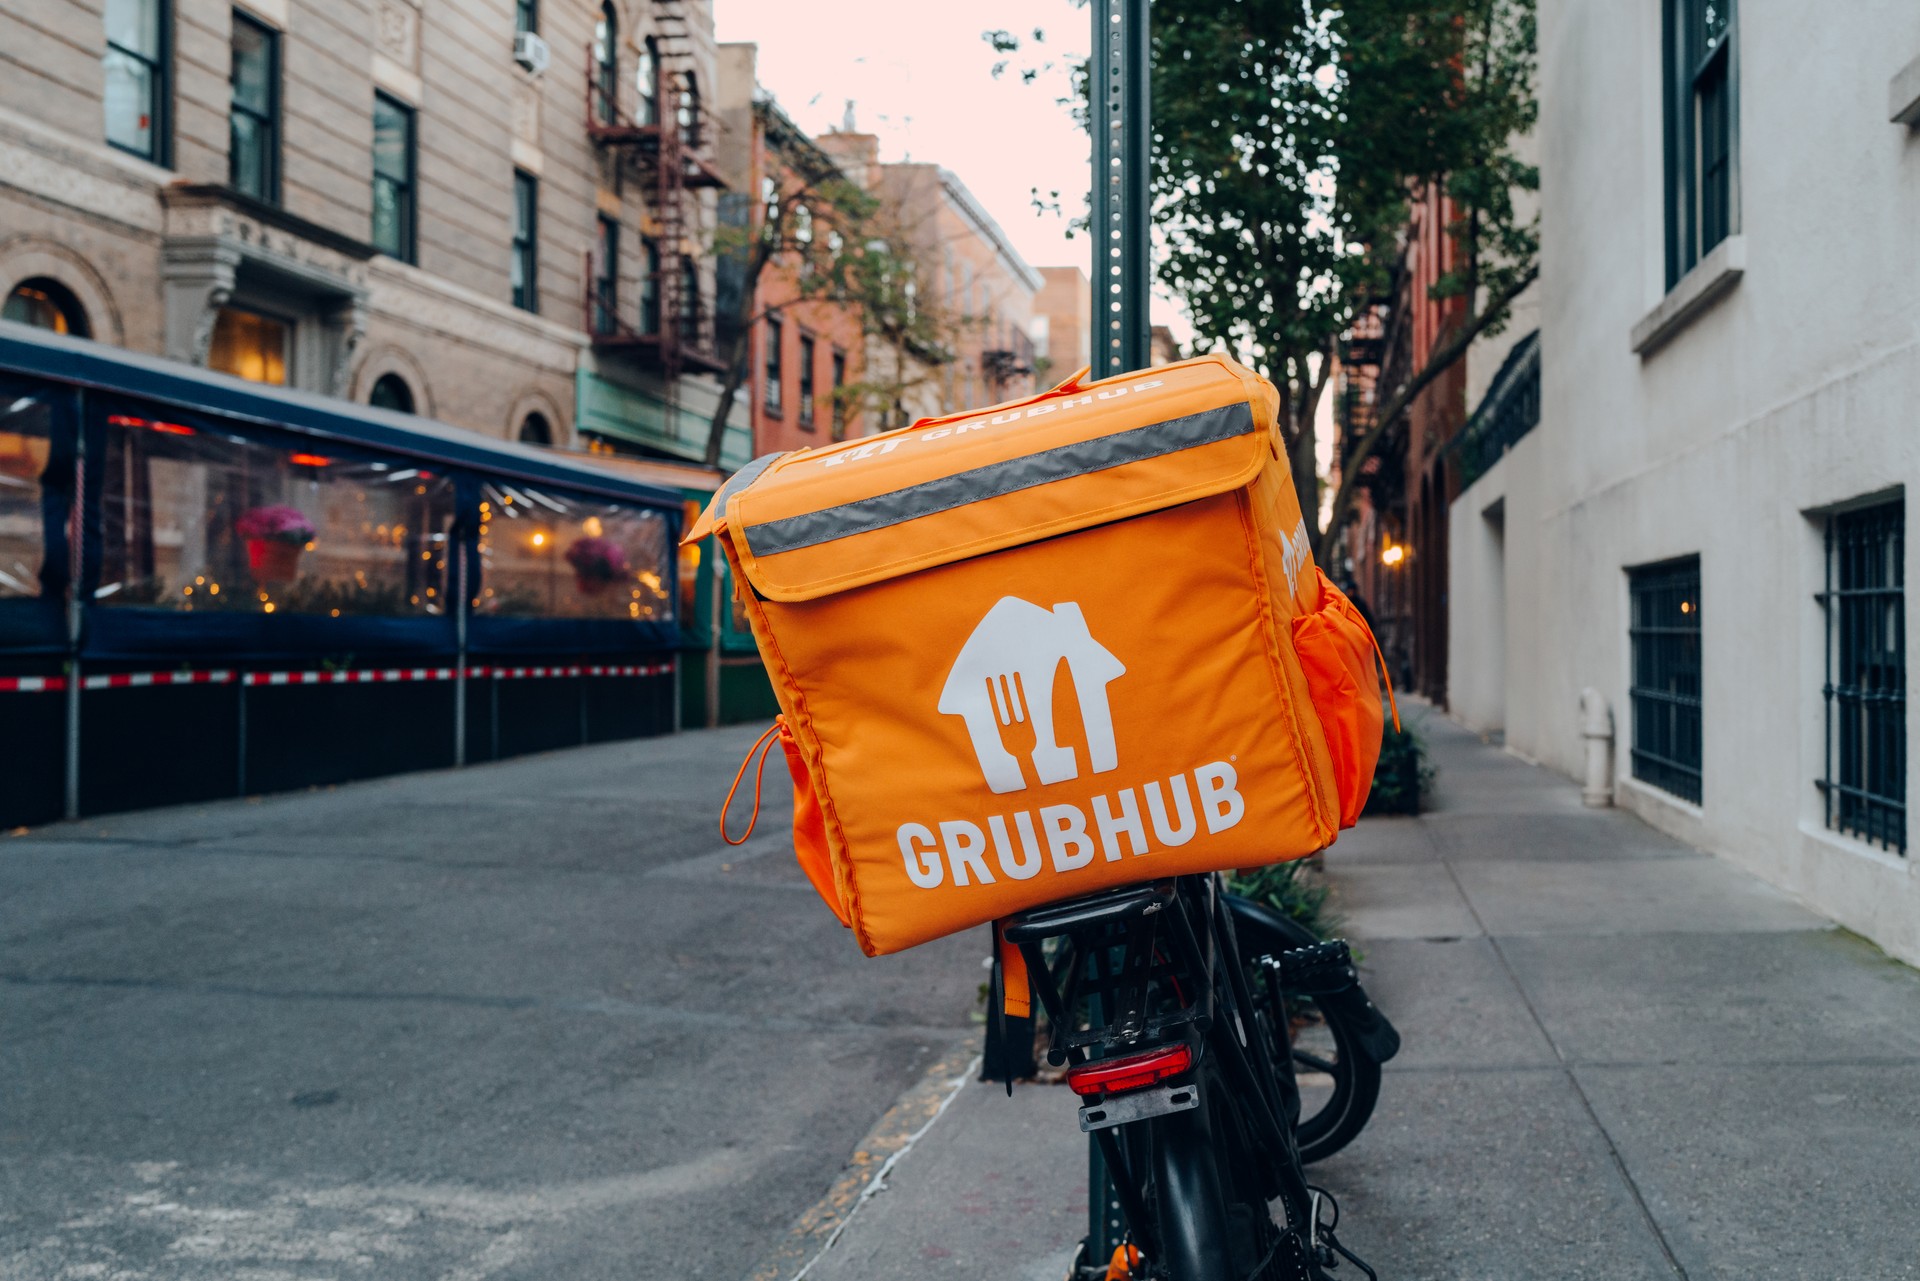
x=810 y=529
x=744 y=477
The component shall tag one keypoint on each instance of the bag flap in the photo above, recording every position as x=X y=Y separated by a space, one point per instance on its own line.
x=815 y=522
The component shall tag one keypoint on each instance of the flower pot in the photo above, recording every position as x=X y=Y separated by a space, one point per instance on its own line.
x=587 y=586
x=273 y=561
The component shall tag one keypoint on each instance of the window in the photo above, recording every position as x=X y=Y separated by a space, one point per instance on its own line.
x=551 y=555
x=526 y=16
x=1702 y=193
x=249 y=345
x=649 y=286
x=646 y=80
x=606 y=277
x=26 y=431
x=136 y=77
x=606 y=60
x=535 y=431
x=526 y=245
x=1866 y=688
x=253 y=154
x=196 y=518
x=690 y=308
x=806 y=381
x=46 y=304
x=771 y=358
x=688 y=110
x=390 y=391
x=839 y=395
x=393 y=159
x=1666 y=676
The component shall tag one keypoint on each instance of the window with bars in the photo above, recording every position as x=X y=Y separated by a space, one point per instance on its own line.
x=135 y=66
x=839 y=395
x=606 y=278
x=806 y=381
x=1702 y=196
x=526 y=241
x=393 y=184
x=771 y=364
x=253 y=152
x=1665 y=635
x=1865 y=785
x=649 y=286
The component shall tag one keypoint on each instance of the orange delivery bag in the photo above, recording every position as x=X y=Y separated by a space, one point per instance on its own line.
x=1057 y=645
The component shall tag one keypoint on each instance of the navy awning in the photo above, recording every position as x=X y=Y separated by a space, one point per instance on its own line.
x=83 y=363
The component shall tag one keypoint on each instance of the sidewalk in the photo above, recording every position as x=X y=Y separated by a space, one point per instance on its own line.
x=1623 y=1059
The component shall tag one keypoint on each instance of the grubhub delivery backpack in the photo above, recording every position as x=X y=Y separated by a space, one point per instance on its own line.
x=1058 y=645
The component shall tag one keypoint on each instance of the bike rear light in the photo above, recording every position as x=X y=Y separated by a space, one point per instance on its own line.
x=1133 y=1072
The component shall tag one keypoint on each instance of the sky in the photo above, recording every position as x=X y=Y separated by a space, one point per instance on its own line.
x=921 y=78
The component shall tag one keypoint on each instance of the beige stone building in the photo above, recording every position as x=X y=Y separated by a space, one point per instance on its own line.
x=494 y=212
x=1062 y=325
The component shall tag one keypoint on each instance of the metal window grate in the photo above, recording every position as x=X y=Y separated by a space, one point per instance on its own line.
x=1666 y=676
x=1866 y=688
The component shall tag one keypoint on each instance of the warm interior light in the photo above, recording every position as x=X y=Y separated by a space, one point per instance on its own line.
x=592 y=527
x=1132 y=1072
x=1686 y=607
x=171 y=429
x=1393 y=554
x=309 y=460
x=539 y=539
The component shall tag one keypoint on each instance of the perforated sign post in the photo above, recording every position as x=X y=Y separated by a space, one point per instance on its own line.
x=1122 y=136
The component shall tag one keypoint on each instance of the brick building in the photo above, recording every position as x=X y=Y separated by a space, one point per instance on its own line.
x=971 y=280
x=492 y=214
x=805 y=354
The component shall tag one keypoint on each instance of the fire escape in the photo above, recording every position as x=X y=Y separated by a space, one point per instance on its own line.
x=664 y=155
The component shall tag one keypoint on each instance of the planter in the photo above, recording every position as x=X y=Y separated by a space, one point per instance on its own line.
x=592 y=586
x=273 y=561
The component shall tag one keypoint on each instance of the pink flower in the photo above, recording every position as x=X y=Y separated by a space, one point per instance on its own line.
x=275 y=524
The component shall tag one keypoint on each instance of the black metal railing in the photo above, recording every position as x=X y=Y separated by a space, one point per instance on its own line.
x=1665 y=633
x=1865 y=785
x=1509 y=410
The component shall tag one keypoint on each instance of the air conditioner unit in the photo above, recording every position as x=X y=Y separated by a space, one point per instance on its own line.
x=531 y=52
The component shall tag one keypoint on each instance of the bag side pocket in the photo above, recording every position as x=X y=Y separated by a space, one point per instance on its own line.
x=1336 y=651
x=810 y=827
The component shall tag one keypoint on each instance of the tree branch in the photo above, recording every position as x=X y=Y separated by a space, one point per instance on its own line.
x=1438 y=361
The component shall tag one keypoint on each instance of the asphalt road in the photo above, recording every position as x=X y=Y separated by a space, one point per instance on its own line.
x=528 y=1020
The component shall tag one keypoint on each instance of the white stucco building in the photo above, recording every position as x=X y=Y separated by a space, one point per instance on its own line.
x=1729 y=415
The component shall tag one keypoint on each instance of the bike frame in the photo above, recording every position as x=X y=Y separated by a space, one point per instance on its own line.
x=1151 y=966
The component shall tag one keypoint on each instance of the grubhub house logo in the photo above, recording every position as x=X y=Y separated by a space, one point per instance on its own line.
x=1001 y=686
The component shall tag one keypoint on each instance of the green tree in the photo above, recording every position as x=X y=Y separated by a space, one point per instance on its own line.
x=1289 y=139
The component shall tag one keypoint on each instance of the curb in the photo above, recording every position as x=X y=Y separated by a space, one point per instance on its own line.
x=890 y=1139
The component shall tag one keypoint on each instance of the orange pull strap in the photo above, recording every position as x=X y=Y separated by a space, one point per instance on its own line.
x=762 y=745
x=1387 y=676
x=1016 y=990
x=1072 y=386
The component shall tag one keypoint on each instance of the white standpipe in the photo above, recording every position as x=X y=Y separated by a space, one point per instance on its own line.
x=1596 y=726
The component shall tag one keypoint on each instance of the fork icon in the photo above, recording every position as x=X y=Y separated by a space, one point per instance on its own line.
x=1002 y=685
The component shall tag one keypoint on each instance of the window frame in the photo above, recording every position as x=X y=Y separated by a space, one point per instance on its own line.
x=606 y=284
x=839 y=414
x=687 y=322
x=408 y=185
x=269 y=122
x=649 y=313
x=526 y=17
x=1656 y=749
x=1686 y=189
x=607 y=64
x=160 y=87
x=772 y=366
x=647 y=86
x=526 y=241
x=809 y=352
x=1851 y=805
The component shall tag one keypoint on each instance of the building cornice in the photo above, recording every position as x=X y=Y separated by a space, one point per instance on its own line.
x=974 y=211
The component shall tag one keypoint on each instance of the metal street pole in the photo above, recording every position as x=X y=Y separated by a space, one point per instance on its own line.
x=1122 y=137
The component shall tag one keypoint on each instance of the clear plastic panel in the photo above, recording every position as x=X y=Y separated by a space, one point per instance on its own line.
x=26 y=421
x=199 y=519
x=548 y=555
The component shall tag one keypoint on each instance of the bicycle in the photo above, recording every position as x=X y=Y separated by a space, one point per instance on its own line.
x=1171 y=1032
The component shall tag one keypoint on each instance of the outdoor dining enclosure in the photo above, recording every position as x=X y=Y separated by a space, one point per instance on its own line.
x=212 y=588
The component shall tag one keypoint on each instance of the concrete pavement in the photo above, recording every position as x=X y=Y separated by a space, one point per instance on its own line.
x=1623 y=1059
x=529 y=1020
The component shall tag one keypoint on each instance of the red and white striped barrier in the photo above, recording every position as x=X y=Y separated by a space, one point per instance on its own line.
x=143 y=680
x=367 y=676
x=32 y=684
